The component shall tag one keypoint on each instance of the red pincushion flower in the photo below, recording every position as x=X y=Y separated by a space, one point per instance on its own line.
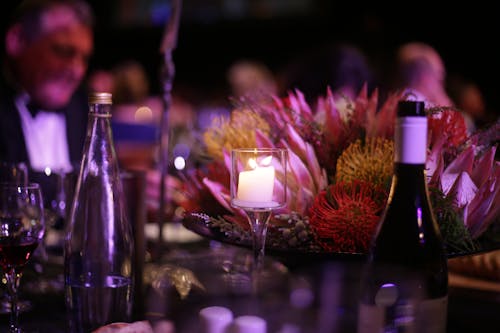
x=344 y=216
x=448 y=125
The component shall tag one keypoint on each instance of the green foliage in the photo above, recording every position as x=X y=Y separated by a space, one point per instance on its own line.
x=455 y=235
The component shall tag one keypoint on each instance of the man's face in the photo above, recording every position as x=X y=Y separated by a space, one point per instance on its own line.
x=52 y=66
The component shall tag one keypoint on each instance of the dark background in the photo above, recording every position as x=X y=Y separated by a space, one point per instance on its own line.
x=215 y=33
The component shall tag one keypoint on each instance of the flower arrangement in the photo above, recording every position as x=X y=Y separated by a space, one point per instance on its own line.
x=340 y=162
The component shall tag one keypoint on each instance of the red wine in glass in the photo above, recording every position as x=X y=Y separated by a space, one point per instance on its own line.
x=22 y=227
x=15 y=252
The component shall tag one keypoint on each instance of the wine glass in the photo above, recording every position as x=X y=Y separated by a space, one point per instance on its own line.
x=258 y=186
x=16 y=173
x=21 y=229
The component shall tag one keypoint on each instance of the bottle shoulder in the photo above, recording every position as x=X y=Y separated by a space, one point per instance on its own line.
x=408 y=230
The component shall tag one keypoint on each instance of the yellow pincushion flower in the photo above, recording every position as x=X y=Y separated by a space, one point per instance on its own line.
x=370 y=162
x=236 y=132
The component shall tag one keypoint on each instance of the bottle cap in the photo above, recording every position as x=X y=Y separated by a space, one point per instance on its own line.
x=411 y=109
x=215 y=319
x=100 y=98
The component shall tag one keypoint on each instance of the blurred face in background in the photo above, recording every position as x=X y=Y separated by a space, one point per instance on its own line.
x=51 y=63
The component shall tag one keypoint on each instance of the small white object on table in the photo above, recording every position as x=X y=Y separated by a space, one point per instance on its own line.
x=215 y=319
x=249 y=324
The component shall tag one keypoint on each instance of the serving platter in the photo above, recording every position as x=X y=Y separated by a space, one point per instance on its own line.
x=277 y=243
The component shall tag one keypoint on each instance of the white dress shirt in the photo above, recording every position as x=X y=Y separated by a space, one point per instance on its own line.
x=45 y=138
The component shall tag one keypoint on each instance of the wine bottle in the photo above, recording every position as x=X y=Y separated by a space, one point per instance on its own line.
x=98 y=250
x=404 y=287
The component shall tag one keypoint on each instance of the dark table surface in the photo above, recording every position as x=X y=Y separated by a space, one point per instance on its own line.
x=306 y=295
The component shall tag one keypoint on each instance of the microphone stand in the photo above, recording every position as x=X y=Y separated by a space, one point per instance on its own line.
x=168 y=45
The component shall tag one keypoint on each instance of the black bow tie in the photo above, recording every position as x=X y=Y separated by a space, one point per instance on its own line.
x=34 y=108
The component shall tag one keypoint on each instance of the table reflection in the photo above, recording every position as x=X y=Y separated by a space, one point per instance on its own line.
x=307 y=298
x=306 y=294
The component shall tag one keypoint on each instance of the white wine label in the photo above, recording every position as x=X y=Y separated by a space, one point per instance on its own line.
x=410 y=140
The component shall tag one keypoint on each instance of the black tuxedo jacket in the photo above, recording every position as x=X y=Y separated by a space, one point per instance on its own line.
x=12 y=143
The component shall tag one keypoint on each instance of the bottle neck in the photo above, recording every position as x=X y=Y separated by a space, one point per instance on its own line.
x=99 y=142
x=100 y=110
x=410 y=140
x=410 y=173
x=99 y=126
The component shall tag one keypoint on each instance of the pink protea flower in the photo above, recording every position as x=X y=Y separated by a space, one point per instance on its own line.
x=362 y=119
x=339 y=196
x=474 y=184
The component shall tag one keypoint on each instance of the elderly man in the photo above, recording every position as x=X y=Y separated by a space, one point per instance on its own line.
x=43 y=117
x=43 y=109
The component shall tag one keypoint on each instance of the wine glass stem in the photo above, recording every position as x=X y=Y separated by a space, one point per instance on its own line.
x=258 y=222
x=13 y=279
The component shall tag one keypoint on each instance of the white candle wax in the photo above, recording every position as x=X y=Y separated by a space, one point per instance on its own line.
x=256 y=185
x=249 y=324
x=215 y=319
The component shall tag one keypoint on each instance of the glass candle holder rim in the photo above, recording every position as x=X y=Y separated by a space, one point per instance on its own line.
x=259 y=150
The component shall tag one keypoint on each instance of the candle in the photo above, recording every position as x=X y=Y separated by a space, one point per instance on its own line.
x=249 y=324
x=215 y=319
x=256 y=186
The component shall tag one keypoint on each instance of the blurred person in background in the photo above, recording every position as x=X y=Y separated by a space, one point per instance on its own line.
x=342 y=67
x=469 y=98
x=100 y=80
x=43 y=110
x=249 y=78
x=421 y=72
x=137 y=114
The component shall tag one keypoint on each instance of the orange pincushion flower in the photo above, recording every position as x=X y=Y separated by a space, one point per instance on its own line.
x=344 y=216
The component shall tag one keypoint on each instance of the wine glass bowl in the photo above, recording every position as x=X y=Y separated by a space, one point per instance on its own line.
x=21 y=229
x=258 y=187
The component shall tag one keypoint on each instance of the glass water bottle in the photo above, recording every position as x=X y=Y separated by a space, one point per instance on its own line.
x=99 y=243
x=404 y=287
